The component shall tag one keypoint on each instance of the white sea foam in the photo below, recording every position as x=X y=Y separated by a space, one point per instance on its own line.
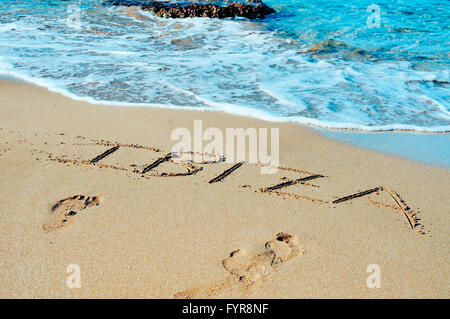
x=236 y=66
x=228 y=108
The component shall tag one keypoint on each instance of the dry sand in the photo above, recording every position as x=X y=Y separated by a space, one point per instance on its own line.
x=141 y=235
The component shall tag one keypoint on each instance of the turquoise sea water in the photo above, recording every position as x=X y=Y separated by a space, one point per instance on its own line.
x=426 y=148
x=332 y=64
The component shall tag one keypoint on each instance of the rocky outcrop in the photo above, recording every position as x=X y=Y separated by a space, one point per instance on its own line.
x=251 y=9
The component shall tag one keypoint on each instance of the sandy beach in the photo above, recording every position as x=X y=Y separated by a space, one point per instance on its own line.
x=153 y=235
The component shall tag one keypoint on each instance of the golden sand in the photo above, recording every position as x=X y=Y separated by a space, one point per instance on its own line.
x=94 y=186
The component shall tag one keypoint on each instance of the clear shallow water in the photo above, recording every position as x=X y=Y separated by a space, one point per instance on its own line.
x=427 y=148
x=313 y=61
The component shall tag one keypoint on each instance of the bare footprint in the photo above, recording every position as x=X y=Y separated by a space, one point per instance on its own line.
x=246 y=269
x=283 y=248
x=65 y=209
x=250 y=267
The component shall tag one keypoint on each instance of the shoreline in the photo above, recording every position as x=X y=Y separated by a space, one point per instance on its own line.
x=334 y=133
x=433 y=147
x=160 y=236
x=239 y=111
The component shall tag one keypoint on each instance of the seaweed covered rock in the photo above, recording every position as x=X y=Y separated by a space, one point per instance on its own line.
x=251 y=9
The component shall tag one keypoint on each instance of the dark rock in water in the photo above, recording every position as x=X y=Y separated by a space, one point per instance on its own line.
x=252 y=9
x=335 y=48
x=211 y=10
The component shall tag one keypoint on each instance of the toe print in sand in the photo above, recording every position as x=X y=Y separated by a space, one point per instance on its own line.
x=246 y=269
x=64 y=211
x=250 y=268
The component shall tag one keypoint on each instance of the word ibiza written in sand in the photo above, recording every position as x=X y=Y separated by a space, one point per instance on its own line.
x=147 y=171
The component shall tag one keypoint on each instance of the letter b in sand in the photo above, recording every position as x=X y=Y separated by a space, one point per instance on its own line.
x=374 y=279
x=74 y=279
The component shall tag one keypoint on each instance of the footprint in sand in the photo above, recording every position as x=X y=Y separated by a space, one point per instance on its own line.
x=250 y=268
x=63 y=211
x=246 y=268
